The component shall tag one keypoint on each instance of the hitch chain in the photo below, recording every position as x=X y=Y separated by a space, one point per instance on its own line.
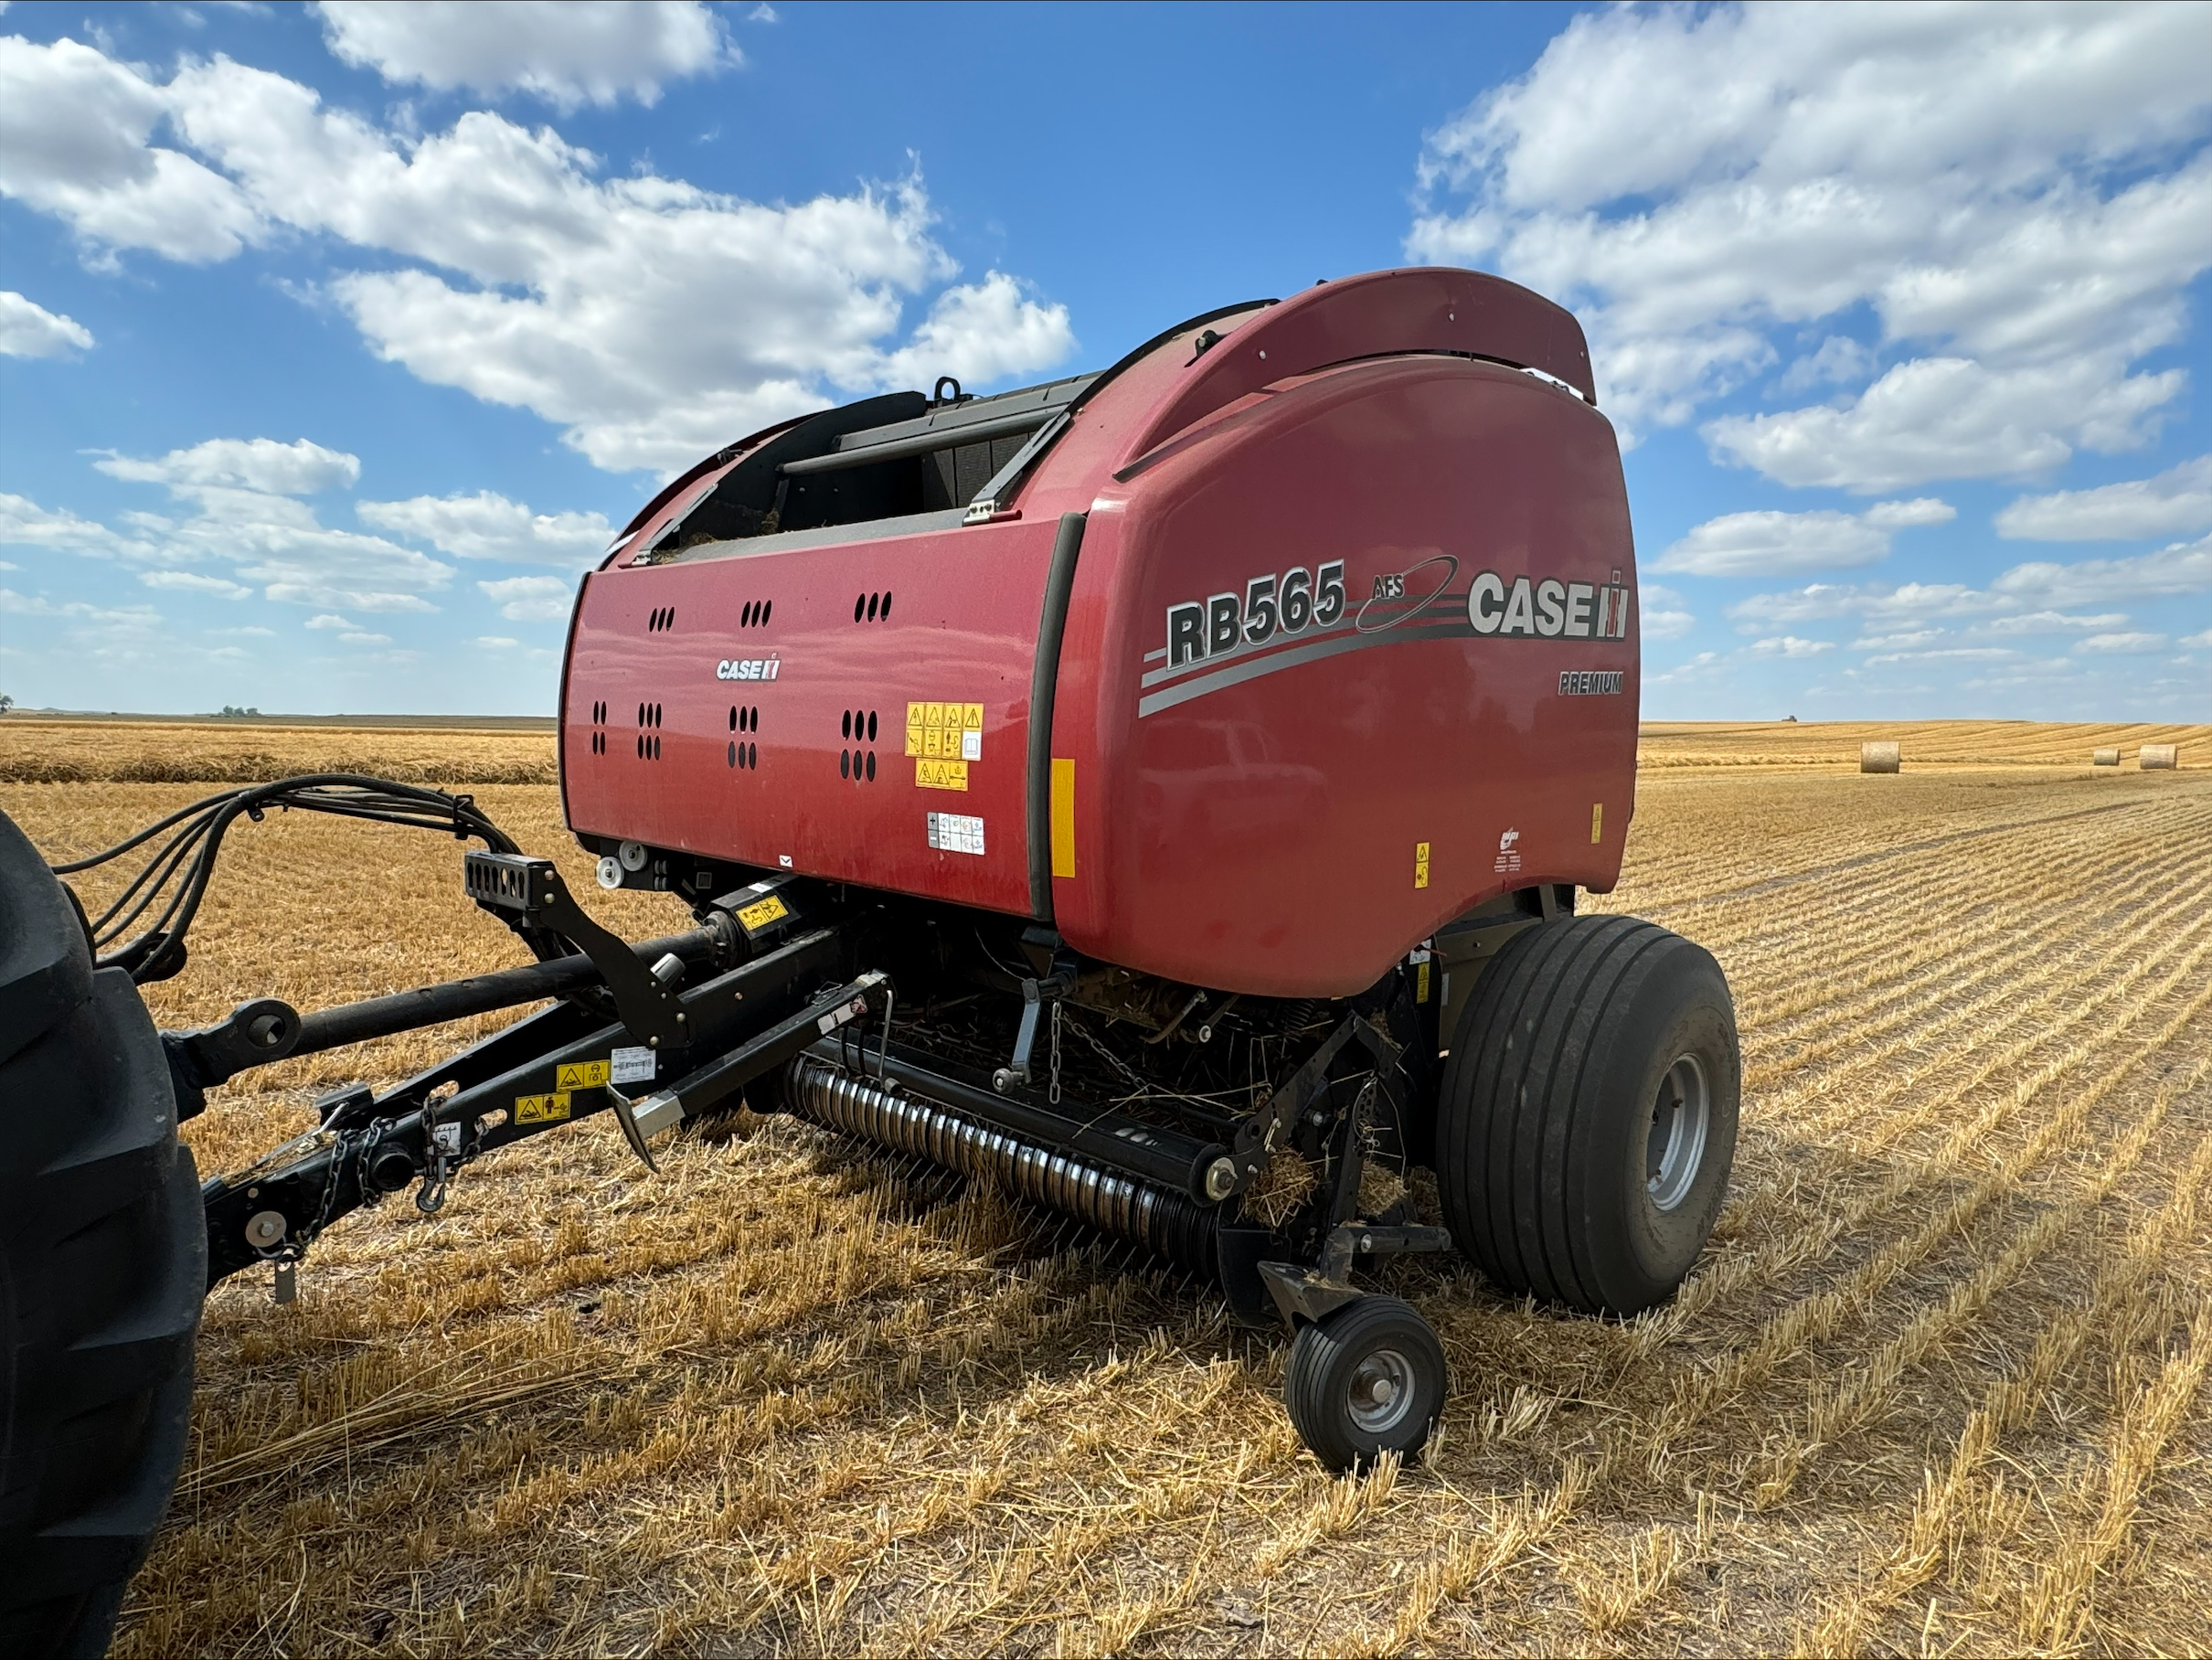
x=1053 y=1094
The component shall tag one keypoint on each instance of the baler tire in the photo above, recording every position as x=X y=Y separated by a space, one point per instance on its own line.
x=1389 y=1338
x=103 y=1266
x=1586 y=1120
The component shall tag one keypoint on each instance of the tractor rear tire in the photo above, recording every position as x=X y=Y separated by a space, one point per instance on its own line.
x=104 y=1261
x=1586 y=1120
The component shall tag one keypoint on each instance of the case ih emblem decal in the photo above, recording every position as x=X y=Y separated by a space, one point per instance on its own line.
x=1279 y=621
x=747 y=668
x=1549 y=610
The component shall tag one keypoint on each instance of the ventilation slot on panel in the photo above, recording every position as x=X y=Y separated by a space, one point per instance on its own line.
x=648 y=733
x=872 y=607
x=744 y=754
x=756 y=613
x=598 y=722
x=857 y=729
x=661 y=621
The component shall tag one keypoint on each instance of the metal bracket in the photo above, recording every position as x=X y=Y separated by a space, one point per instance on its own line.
x=1315 y=1292
x=1035 y=993
x=509 y=884
x=1258 y=1135
x=258 y=1031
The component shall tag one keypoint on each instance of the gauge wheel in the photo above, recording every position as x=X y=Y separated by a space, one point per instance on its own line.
x=1368 y=1379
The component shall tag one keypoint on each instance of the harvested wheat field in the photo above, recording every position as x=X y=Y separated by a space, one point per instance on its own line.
x=1939 y=1385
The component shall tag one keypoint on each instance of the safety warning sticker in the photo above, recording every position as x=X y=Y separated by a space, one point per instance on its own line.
x=583 y=1075
x=541 y=1109
x=631 y=1066
x=940 y=774
x=956 y=833
x=945 y=731
x=1421 y=863
x=761 y=912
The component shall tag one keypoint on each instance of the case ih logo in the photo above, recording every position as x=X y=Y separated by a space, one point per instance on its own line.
x=747 y=668
x=1548 y=610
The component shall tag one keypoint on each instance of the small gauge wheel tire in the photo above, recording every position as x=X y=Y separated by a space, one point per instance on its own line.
x=1368 y=1379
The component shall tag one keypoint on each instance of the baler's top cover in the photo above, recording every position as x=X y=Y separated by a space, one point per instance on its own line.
x=903 y=456
x=1108 y=652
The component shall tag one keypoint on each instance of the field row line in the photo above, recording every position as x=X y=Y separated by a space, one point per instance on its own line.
x=1842 y=1404
x=1733 y=923
x=1938 y=940
x=1815 y=1104
x=2056 y=1611
x=1651 y=1441
x=1933 y=1532
x=1767 y=1262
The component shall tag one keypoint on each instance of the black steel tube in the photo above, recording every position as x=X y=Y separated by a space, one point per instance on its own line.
x=330 y=1029
x=922 y=443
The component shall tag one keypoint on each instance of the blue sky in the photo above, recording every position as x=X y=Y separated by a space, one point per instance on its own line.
x=334 y=341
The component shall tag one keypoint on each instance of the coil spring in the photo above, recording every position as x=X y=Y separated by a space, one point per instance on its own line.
x=1164 y=1222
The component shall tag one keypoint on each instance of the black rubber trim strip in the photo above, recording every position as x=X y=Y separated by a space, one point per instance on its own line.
x=1044 y=680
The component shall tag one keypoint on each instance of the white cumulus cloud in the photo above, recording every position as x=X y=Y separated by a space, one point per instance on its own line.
x=2017 y=196
x=298 y=468
x=2174 y=502
x=28 y=330
x=193 y=581
x=1665 y=614
x=568 y=52
x=653 y=320
x=1787 y=645
x=531 y=598
x=1771 y=543
x=2125 y=644
x=487 y=526
x=2026 y=599
x=75 y=142
x=241 y=510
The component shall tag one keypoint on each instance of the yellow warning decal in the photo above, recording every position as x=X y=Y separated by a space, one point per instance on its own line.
x=1421 y=863
x=1596 y=822
x=583 y=1075
x=1421 y=981
x=945 y=731
x=761 y=912
x=940 y=774
x=545 y=1109
x=1063 y=817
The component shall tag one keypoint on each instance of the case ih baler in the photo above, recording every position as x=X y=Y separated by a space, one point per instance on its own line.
x=1162 y=793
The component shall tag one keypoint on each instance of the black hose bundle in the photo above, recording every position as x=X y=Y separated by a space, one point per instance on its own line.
x=175 y=876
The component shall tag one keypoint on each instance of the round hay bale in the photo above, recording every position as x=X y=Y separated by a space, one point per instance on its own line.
x=2107 y=756
x=1879 y=758
x=2157 y=757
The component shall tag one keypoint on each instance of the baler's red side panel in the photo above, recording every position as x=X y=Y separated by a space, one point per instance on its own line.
x=682 y=760
x=1257 y=818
